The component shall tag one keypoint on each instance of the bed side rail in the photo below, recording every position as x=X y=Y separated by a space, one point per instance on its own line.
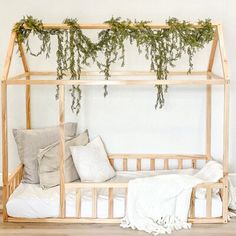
x=208 y=187
x=94 y=189
x=14 y=179
x=153 y=158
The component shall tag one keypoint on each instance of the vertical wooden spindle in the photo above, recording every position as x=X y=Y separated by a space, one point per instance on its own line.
x=194 y=164
x=208 y=202
x=62 y=148
x=138 y=163
x=110 y=203
x=180 y=163
x=94 y=203
x=78 y=203
x=152 y=164
x=125 y=164
x=166 y=164
x=192 y=203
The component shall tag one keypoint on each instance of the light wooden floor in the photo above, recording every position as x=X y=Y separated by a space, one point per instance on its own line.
x=40 y=229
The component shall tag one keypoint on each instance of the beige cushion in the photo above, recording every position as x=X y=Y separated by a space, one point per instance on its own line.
x=49 y=157
x=91 y=162
x=29 y=141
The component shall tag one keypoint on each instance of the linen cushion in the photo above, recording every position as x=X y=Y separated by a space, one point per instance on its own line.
x=49 y=162
x=91 y=162
x=29 y=141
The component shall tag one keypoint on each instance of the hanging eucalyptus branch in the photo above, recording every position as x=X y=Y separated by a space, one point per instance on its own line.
x=111 y=43
x=29 y=25
x=80 y=49
x=163 y=47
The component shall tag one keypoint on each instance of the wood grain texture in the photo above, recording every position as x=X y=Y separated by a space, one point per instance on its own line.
x=62 y=149
x=107 y=26
x=209 y=96
x=8 y=58
x=212 y=79
x=27 y=87
x=78 y=203
x=49 y=229
x=138 y=164
x=94 y=203
x=4 y=148
x=225 y=68
x=192 y=204
x=120 y=73
x=18 y=76
x=125 y=164
x=152 y=164
x=194 y=82
x=213 y=52
x=208 y=202
x=157 y=156
x=110 y=202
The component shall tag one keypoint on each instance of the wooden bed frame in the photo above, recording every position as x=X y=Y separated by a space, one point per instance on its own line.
x=26 y=79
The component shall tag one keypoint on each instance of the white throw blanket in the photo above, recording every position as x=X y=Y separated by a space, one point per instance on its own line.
x=160 y=204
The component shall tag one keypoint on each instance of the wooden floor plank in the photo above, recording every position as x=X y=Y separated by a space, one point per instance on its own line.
x=35 y=229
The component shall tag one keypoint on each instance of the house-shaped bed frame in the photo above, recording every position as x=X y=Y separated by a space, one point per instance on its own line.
x=27 y=79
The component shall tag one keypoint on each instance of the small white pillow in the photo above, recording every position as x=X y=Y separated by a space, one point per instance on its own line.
x=91 y=162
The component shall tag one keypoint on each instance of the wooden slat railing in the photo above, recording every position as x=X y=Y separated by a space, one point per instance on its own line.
x=208 y=188
x=166 y=158
x=14 y=179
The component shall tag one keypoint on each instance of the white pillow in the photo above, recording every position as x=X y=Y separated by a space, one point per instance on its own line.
x=91 y=162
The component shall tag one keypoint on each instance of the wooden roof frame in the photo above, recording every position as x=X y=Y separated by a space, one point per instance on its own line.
x=26 y=79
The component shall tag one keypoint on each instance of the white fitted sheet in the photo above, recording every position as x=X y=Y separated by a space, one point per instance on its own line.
x=30 y=201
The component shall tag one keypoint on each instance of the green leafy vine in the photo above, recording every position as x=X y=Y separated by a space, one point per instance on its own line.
x=162 y=47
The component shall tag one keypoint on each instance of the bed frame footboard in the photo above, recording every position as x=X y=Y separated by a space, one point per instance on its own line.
x=222 y=185
x=13 y=181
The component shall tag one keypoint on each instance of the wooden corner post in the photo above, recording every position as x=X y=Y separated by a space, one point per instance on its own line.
x=27 y=87
x=225 y=120
x=4 y=124
x=209 y=97
x=62 y=148
x=4 y=149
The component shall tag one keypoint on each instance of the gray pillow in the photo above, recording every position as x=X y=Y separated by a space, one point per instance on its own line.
x=49 y=160
x=29 y=141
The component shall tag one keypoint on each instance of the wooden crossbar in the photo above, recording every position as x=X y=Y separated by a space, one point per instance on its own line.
x=34 y=74
x=121 y=73
x=107 y=26
x=117 y=82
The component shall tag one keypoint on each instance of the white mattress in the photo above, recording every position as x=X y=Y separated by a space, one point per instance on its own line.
x=30 y=201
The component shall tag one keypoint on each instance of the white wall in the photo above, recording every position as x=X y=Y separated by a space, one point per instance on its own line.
x=126 y=119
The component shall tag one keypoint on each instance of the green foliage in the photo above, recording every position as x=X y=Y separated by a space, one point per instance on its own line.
x=111 y=42
x=78 y=49
x=162 y=47
x=29 y=25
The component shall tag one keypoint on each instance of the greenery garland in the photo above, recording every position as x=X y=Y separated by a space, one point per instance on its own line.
x=78 y=49
x=163 y=47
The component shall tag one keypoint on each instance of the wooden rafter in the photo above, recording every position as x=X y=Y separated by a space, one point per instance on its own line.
x=107 y=26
